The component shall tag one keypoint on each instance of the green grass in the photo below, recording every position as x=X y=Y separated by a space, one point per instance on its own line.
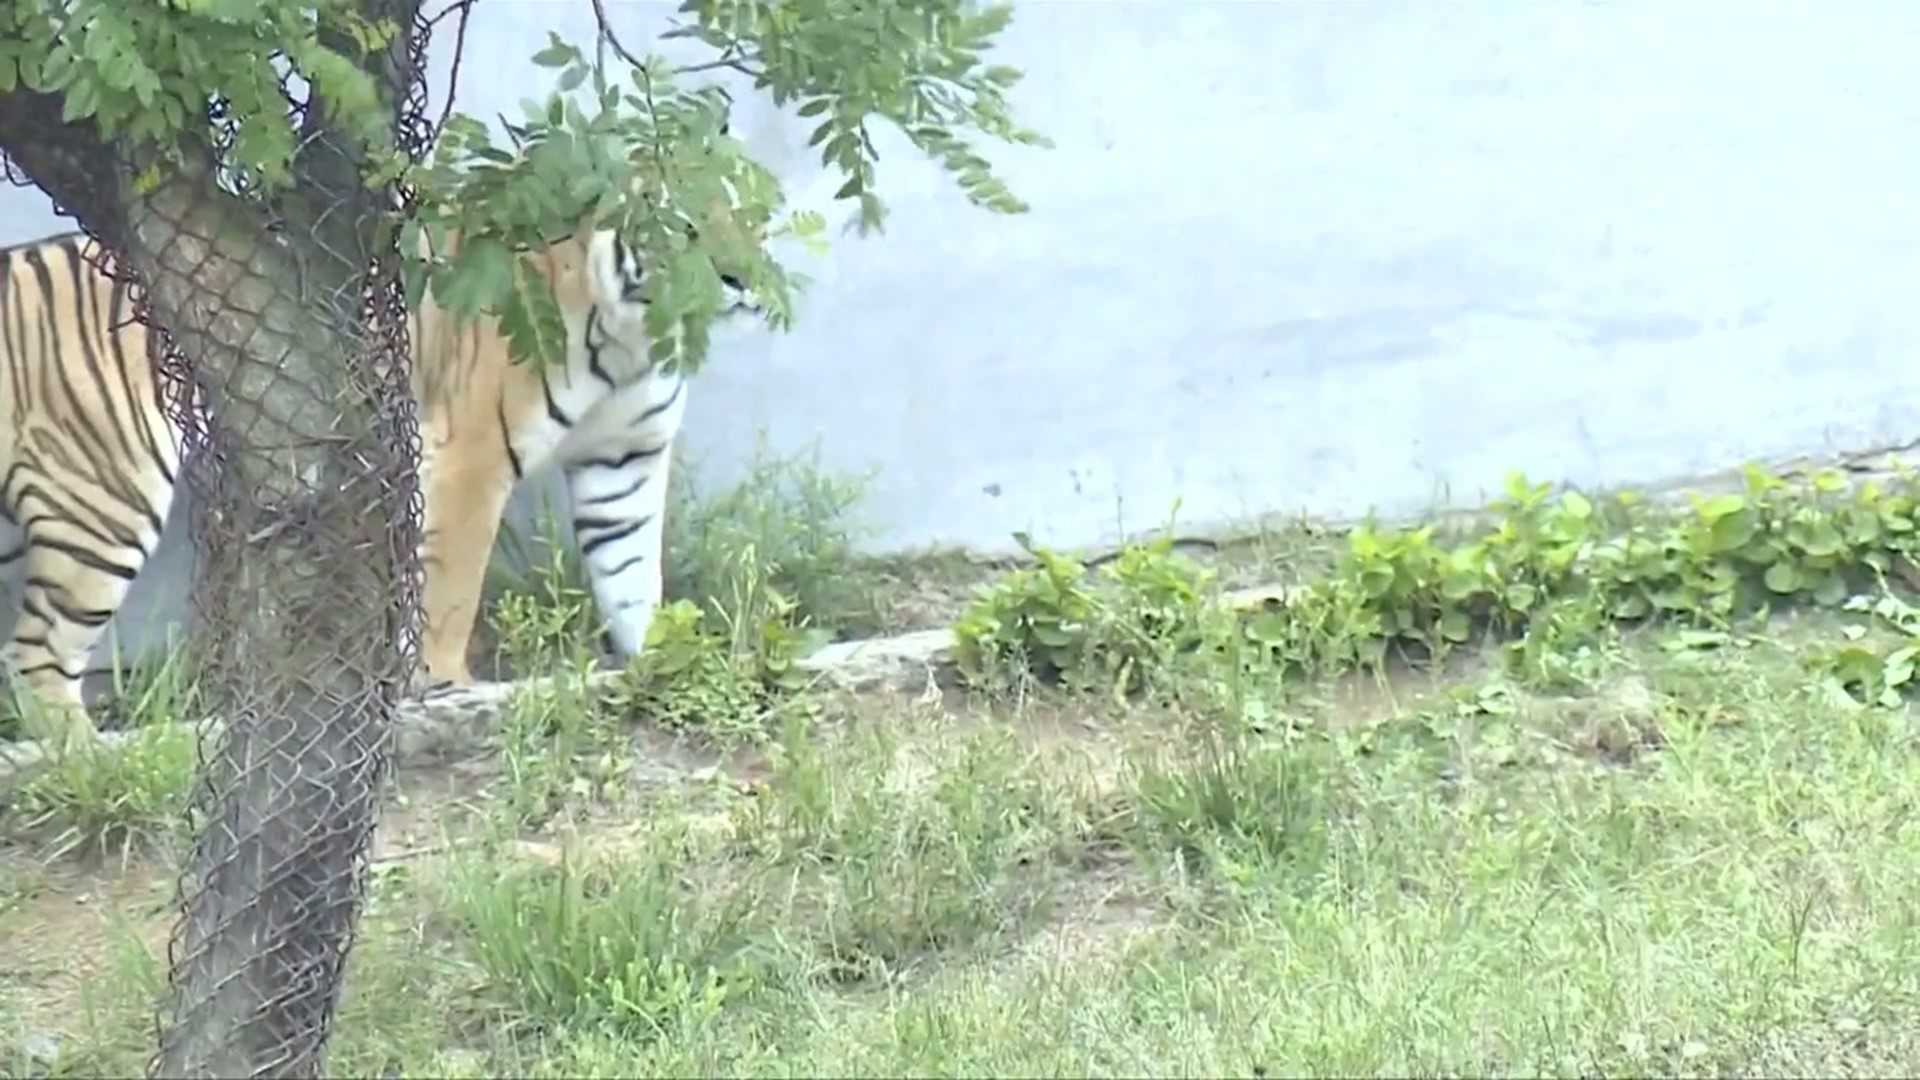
x=1690 y=860
x=122 y=800
x=1671 y=851
x=785 y=523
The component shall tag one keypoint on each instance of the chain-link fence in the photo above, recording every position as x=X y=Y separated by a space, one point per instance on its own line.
x=285 y=360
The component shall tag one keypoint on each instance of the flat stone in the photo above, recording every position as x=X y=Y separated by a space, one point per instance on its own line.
x=889 y=661
x=39 y=1047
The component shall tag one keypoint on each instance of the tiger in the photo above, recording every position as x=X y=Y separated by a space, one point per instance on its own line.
x=90 y=459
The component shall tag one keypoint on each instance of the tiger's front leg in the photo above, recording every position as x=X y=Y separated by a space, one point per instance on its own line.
x=69 y=596
x=465 y=499
x=619 y=520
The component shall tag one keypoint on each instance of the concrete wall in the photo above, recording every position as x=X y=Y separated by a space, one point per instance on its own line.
x=1343 y=256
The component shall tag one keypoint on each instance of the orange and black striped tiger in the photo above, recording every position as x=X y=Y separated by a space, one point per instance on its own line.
x=89 y=460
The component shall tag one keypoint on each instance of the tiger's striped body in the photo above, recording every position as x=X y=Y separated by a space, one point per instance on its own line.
x=89 y=460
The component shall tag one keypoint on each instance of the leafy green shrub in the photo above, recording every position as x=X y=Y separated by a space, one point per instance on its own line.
x=1116 y=628
x=1559 y=564
x=1874 y=668
x=724 y=681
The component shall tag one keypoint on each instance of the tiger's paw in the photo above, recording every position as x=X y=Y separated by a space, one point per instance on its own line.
x=430 y=684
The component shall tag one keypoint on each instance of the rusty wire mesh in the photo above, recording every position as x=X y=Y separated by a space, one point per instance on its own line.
x=283 y=348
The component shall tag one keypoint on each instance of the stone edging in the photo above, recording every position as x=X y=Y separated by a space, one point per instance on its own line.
x=458 y=720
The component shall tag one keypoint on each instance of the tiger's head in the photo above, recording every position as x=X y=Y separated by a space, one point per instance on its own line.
x=616 y=280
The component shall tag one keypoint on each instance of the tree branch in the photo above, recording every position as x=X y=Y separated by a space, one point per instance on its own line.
x=731 y=59
x=464 y=8
x=330 y=204
x=69 y=160
x=738 y=64
x=89 y=177
x=391 y=69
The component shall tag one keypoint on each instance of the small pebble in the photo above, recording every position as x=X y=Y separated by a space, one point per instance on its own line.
x=39 y=1047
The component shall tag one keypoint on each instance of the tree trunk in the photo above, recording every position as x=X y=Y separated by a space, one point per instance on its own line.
x=307 y=530
x=305 y=563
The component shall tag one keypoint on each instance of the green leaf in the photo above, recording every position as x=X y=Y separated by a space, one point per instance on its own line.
x=413 y=278
x=1900 y=665
x=54 y=71
x=1719 y=506
x=1782 y=578
x=1003 y=76
x=543 y=337
x=1732 y=528
x=558 y=53
x=481 y=277
x=1831 y=589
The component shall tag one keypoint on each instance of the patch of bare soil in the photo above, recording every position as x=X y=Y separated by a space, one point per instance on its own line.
x=927 y=592
x=1359 y=699
x=426 y=805
x=63 y=937
x=1097 y=919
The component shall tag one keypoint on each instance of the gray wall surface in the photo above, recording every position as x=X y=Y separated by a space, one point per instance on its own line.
x=1336 y=257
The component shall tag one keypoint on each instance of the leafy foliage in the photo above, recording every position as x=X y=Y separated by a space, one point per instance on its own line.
x=1110 y=630
x=622 y=141
x=786 y=522
x=722 y=680
x=144 y=73
x=1562 y=567
x=1879 y=661
x=651 y=157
